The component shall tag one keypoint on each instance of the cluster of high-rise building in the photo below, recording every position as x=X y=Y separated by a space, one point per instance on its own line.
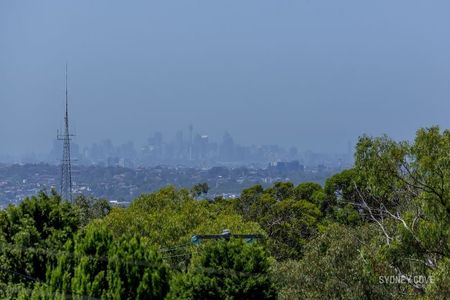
x=193 y=149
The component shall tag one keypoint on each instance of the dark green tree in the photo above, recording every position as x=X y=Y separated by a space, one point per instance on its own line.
x=91 y=208
x=226 y=270
x=248 y=204
x=281 y=190
x=289 y=223
x=98 y=266
x=31 y=234
x=306 y=190
x=199 y=189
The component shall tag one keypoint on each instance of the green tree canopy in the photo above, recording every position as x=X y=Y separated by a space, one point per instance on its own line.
x=32 y=233
x=96 y=265
x=226 y=270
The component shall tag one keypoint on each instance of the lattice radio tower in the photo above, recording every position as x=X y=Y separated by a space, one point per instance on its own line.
x=66 y=167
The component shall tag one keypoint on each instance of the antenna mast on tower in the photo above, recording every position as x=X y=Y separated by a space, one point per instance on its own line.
x=66 y=167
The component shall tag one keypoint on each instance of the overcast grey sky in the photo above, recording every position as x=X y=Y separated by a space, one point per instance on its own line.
x=313 y=74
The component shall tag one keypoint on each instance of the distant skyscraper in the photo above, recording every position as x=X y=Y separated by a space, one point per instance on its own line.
x=227 y=147
x=190 y=141
x=179 y=145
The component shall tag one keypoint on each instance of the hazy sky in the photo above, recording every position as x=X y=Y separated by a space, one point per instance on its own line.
x=313 y=74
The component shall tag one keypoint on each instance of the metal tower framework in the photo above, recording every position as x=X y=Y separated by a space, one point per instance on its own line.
x=66 y=166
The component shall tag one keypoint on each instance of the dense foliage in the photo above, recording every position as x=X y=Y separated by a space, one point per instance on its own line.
x=380 y=230
x=226 y=270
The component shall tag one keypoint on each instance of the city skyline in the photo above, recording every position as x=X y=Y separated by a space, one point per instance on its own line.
x=308 y=74
x=205 y=150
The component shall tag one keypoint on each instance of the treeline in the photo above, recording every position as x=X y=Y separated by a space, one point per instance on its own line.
x=377 y=231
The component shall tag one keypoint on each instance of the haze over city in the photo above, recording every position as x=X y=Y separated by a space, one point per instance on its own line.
x=219 y=149
x=310 y=74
